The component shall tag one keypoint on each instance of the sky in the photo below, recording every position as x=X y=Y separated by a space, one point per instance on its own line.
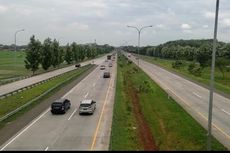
x=105 y=21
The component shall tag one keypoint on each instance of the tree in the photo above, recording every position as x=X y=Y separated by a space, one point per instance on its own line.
x=55 y=53
x=61 y=56
x=204 y=55
x=81 y=52
x=47 y=56
x=33 y=55
x=68 y=54
x=93 y=52
x=221 y=63
x=87 y=51
x=75 y=52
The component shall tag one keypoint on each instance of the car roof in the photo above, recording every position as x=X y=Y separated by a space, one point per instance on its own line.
x=87 y=101
x=60 y=100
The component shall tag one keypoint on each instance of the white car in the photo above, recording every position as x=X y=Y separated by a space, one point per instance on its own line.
x=87 y=106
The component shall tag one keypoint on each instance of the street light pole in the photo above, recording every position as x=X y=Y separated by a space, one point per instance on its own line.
x=15 y=38
x=212 y=79
x=15 y=43
x=139 y=35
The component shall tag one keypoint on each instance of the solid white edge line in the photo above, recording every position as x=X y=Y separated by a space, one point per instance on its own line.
x=39 y=117
x=25 y=129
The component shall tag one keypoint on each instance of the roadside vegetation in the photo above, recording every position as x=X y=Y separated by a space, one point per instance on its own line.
x=19 y=99
x=192 y=58
x=145 y=119
x=37 y=57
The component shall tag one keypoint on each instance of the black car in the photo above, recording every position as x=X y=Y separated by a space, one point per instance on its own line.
x=78 y=65
x=106 y=75
x=60 y=106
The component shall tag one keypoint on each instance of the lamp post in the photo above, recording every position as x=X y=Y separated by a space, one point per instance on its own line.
x=15 y=38
x=212 y=79
x=15 y=43
x=139 y=33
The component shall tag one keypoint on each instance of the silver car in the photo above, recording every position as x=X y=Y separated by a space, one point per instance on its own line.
x=87 y=106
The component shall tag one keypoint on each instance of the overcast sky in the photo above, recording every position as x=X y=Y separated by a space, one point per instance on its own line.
x=105 y=21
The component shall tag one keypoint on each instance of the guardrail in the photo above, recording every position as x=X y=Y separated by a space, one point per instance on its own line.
x=40 y=96
x=30 y=86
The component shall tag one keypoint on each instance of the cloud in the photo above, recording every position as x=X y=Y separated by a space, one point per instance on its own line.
x=185 y=26
x=205 y=26
x=209 y=15
x=3 y=9
x=225 y=22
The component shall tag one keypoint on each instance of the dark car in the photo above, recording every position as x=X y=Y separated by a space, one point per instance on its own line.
x=78 y=65
x=60 y=106
x=106 y=75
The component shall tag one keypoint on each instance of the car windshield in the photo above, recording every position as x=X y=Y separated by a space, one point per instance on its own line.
x=57 y=103
x=84 y=105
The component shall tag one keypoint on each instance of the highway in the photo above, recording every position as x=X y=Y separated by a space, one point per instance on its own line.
x=194 y=99
x=7 y=88
x=72 y=131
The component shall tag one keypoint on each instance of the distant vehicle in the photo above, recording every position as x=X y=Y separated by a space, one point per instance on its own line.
x=87 y=106
x=78 y=65
x=129 y=55
x=106 y=60
x=109 y=57
x=106 y=75
x=60 y=106
x=102 y=67
x=110 y=64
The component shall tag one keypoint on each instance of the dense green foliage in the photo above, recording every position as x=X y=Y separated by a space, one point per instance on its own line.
x=33 y=55
x=51 y=54
x=199 y=51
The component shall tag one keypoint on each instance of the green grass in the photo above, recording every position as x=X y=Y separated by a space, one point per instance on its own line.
x=171 y=126
x=11 y=103
x=221 y=84
x=123 y=136
x=12 y=65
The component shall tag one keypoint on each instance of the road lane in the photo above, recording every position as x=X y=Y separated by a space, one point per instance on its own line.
x=7 y=88
x=193 y=98
x=72 y=131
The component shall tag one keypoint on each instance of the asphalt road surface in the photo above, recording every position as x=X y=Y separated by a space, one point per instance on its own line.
x=72 y=131
x=7 y=88
x=194 y=99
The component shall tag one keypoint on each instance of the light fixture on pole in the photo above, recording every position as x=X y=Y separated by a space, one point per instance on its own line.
x=139 y=33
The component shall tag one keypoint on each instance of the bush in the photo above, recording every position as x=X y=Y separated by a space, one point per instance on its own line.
x=195 y=69
x=177 y=64
x=191 y=67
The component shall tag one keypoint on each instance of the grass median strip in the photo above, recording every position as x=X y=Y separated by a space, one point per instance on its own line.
x=11 y=103
x=171 y=127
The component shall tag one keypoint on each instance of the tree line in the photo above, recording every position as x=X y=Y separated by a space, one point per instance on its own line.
x=199 y=52
x=51 y=54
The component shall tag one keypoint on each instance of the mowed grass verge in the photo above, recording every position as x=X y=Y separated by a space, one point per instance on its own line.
x=171 y=126
x=13 y=102
x=221 y=84
x=12 y=66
